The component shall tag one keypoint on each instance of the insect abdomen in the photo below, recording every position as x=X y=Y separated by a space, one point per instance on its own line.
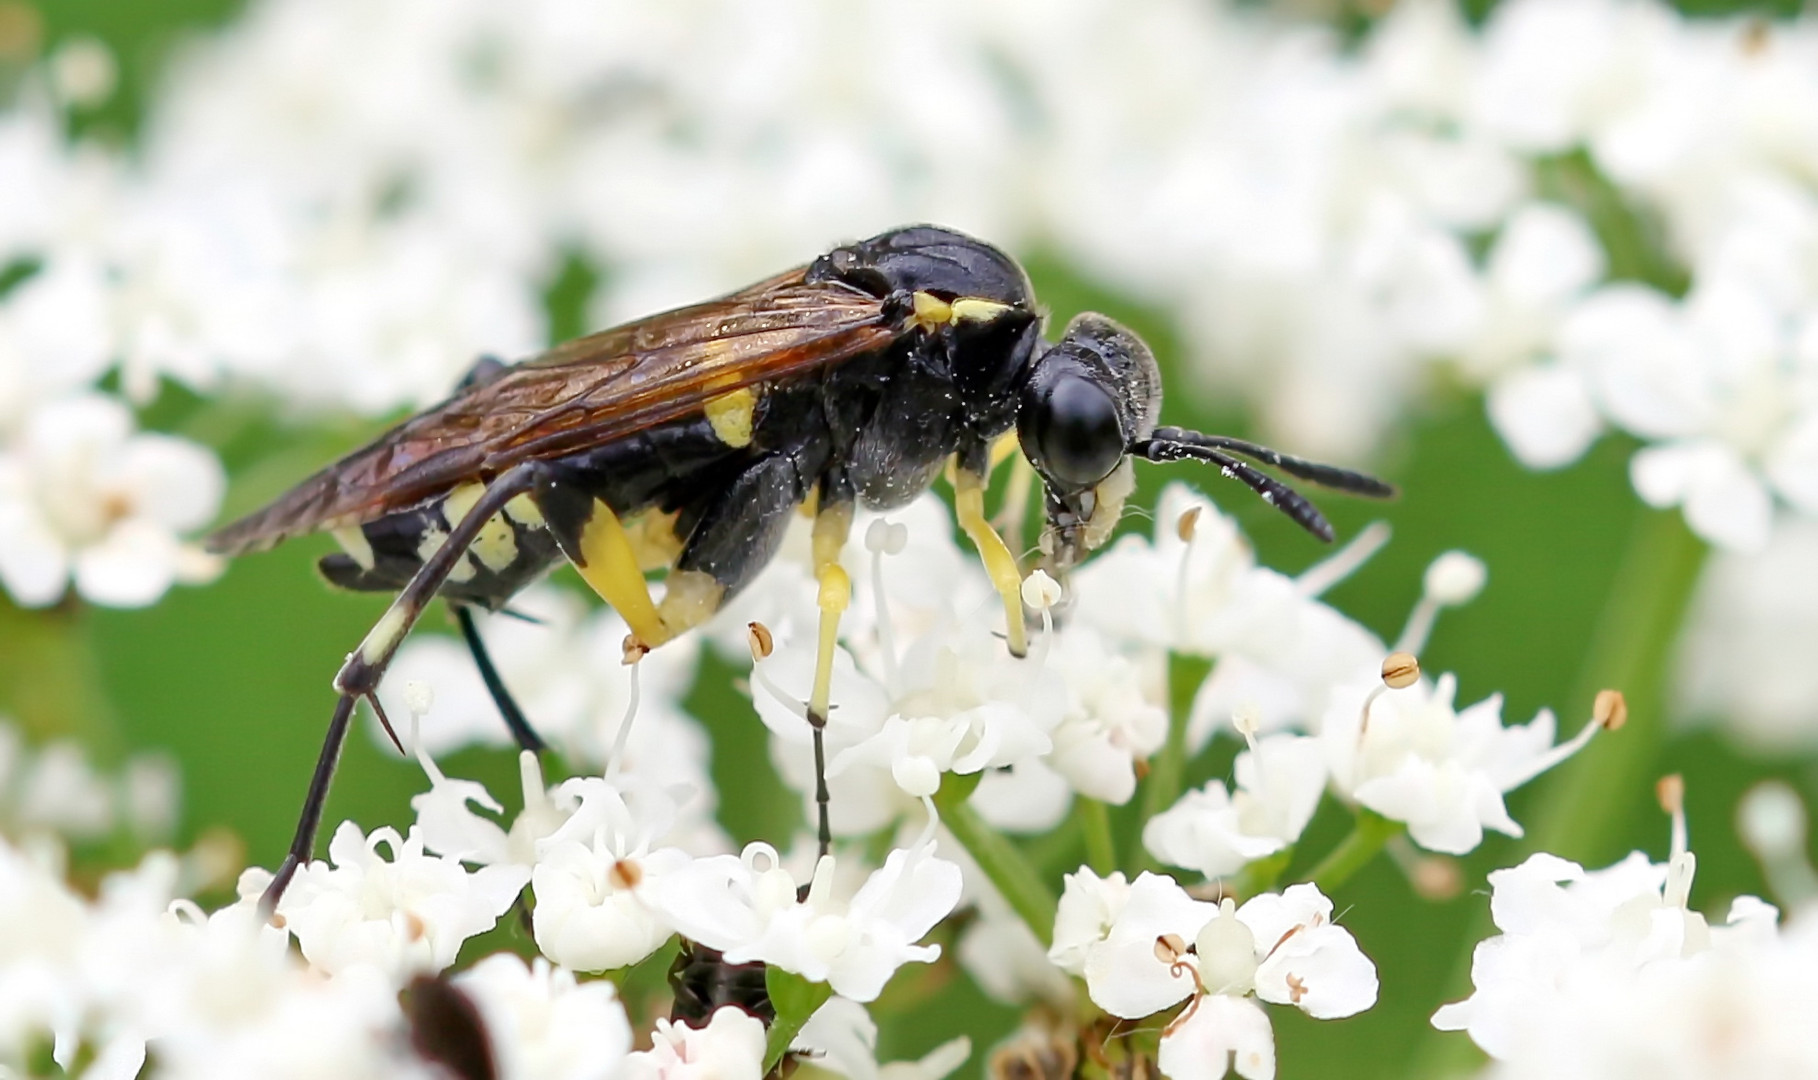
x=512 y=550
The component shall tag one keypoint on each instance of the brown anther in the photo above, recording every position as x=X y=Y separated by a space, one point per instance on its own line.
x=414 y=927
x=1670 y=790
x=1169 y=948
x=762 y=644
x=632 y=650
x=1400 y=670
x=277 y=921
x=1610 y=710
x=625 y=874
x=1757 y=36
x=1187 y=525
x=1296 y=988
x=1141 y=766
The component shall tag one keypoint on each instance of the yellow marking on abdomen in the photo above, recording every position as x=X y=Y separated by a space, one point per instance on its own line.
x=496 y=544
x=524 y=510
x=353 y=540
x=461 y=500
x=731 y=416
x=431 y=542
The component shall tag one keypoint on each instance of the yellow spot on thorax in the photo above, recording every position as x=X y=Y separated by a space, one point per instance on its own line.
x=931 y=311
x=731 y=416
x=974 y=309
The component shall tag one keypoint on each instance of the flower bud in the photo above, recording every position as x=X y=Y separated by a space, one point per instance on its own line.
x=1454 y=578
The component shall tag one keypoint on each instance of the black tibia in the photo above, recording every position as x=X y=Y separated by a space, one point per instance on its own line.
x=359 y=676
x=521 y=730
x=703 y=981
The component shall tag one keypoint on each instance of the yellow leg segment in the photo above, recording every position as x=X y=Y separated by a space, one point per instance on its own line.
x=1011 y=515
x=831 y=524
x=612 y=570
x=1000 y=564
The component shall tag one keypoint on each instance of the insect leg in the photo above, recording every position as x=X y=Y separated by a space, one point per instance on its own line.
x=1000 y=564
x=489 y=674
x=359 y=676
x=832 y=522
x=737 y=534
x=593 y=538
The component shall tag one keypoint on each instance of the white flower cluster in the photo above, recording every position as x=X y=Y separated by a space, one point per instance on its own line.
x=1325 y=221
x=1145 y=946
x=922 y=689
x=1611 y=973
x=56 y=790
x=142 y=972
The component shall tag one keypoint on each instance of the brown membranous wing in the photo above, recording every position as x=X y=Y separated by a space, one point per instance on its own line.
x=579 y=394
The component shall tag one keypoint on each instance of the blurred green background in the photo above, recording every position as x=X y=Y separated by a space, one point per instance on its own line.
x=233 y=678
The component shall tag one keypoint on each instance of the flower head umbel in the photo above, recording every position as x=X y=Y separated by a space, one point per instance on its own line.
x=750 y=908
x=541 y=1024
x=1279 y=783
x=408 y=913
x=1612 y=972
x=1160 y=947
x=1397 y=746
x=730 y=1046
x=599 y=875
x=84 y=497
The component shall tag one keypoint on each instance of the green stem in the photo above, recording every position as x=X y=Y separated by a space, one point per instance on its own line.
x=1579 y=814
x=795 y=1000
x=1002 y=861
x=1095 y=820
x=1167 y=769
x=1354 y=852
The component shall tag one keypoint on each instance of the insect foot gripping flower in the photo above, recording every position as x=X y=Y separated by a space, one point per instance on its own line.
x=1279 y=782
x=1610 y=973
x=729 y=1047
x=1399 y=748
x=543 y=1025
x=1160 y=947
x=749 y=908
x=83 y=495
x=403 y=915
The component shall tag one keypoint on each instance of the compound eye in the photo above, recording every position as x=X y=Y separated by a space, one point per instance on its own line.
x=1073 y=431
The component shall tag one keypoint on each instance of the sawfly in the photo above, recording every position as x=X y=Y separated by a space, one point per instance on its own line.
x=685 y=441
